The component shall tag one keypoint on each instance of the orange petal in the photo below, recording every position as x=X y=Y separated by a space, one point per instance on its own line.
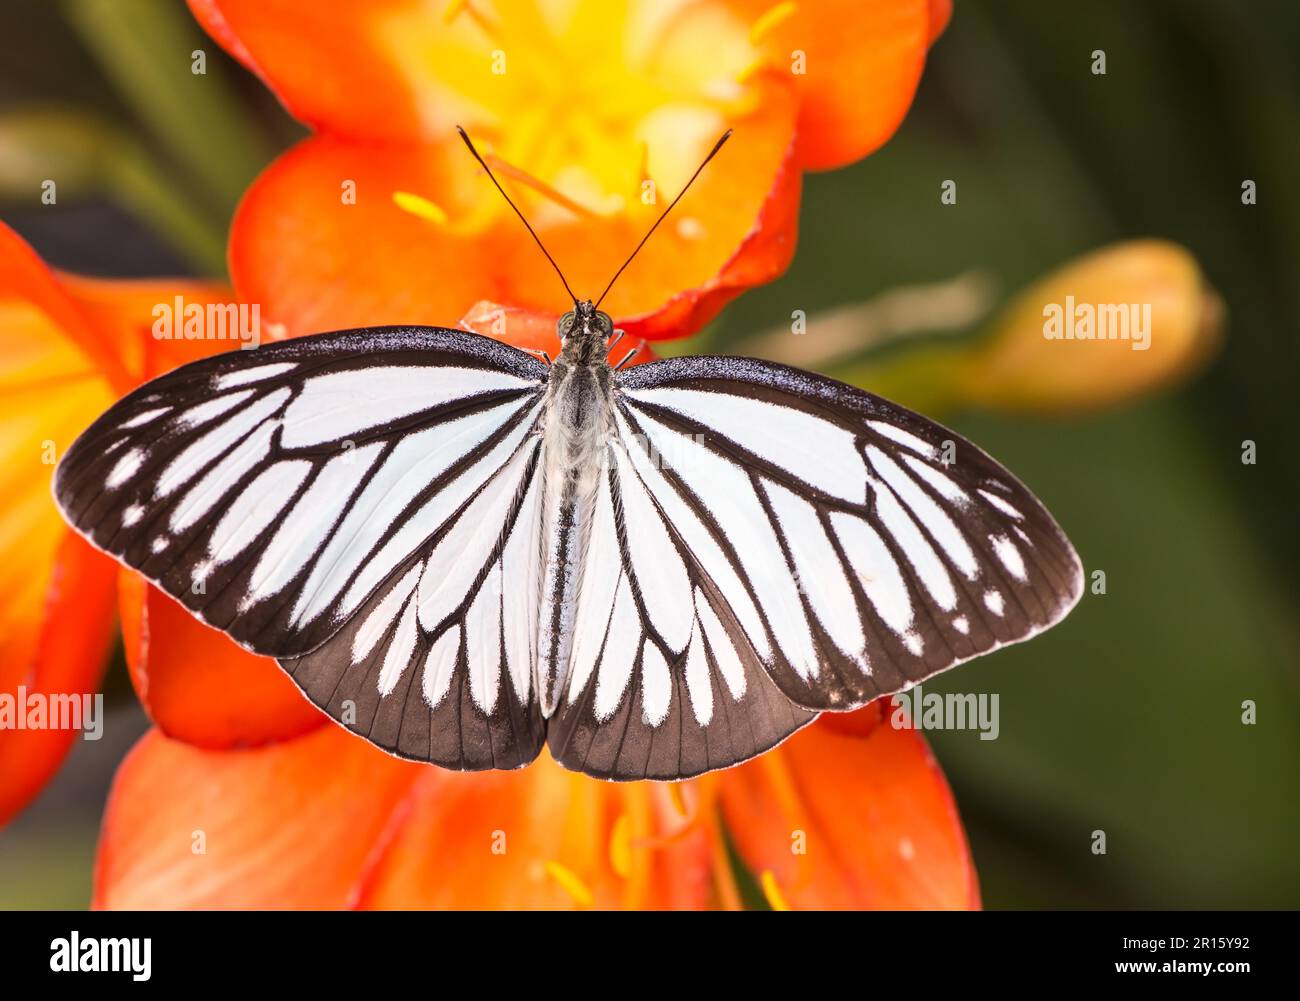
x=874 y=816
x=861 y=66
x=71 y=646
x=197 y=684
x=316 y=262
x=940 y=15
x=324 y=60
x=68 y=345
x=539 y=838
x=328 y=821
x=54 y=376
x=291 y=825
x=26 y=280
x=124 y=313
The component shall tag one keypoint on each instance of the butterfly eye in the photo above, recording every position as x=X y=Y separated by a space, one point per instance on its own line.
x=566 y=324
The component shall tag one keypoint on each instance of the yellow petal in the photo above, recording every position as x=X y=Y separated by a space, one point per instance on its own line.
x=1113 y=325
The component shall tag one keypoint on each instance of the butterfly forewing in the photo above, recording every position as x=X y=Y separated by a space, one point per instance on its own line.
x=860 y=546
x=353 y=504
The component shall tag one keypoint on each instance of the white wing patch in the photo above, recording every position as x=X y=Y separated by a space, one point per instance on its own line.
x=1001 y=504
x=520 y=559
x=461 y=587
x=701 y=543
x=878 y=572
x=601 y=573
x=934 y=518
x=339 y=404
x=461 y=556
x=224 y=435
x=897 y=435
x=621 y=643
x=818 y=570
x=656 y=686
x=242 y=377
x=439 y=667
x=724 y=650
x=779 y=434
x=144 y=418
x=247 y=455
x=1010 y=556
x=202 y=413
x=483 y=636
x=660 y=574
x=127 y=466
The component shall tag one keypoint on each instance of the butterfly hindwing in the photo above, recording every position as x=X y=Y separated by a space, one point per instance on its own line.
x=438 y=664
x=663 y=683
x=869 y=548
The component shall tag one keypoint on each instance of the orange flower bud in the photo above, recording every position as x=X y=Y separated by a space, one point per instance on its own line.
x=1111 y=326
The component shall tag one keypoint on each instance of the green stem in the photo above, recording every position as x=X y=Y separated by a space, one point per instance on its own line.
x=147 y=50
x=87 y=158
x=142 y=186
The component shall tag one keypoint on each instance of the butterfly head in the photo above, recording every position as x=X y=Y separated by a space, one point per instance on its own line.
x=584 y=331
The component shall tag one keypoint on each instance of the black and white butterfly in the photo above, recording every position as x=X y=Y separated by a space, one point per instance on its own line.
x=461 y=552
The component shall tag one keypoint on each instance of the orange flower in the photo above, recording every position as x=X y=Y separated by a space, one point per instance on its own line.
x=68 y=347
x=847 y=813
x=594 y=114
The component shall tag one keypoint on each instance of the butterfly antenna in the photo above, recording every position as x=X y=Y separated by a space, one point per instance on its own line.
x=712 y=153
x=530 y=229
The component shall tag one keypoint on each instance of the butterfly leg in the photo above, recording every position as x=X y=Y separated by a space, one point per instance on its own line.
x=629 y=356
x=618 y=336
x=541 y=353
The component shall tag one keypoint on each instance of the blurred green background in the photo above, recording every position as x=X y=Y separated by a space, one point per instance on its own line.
x=1126 y=718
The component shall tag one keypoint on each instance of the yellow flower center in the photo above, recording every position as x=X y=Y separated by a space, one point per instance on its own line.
x=596 y=106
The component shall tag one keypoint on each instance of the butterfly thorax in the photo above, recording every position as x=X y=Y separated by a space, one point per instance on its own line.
x=577 y=424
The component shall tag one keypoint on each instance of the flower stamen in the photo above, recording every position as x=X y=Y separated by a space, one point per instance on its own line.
x=571 y=883
x=457 y=7
x=678 y=799
x=769 y=19
x=772 y=891
x=620 y=846
x=420 y=207
x=541 y=187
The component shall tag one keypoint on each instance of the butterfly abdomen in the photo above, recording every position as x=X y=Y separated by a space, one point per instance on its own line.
x=575 y=430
